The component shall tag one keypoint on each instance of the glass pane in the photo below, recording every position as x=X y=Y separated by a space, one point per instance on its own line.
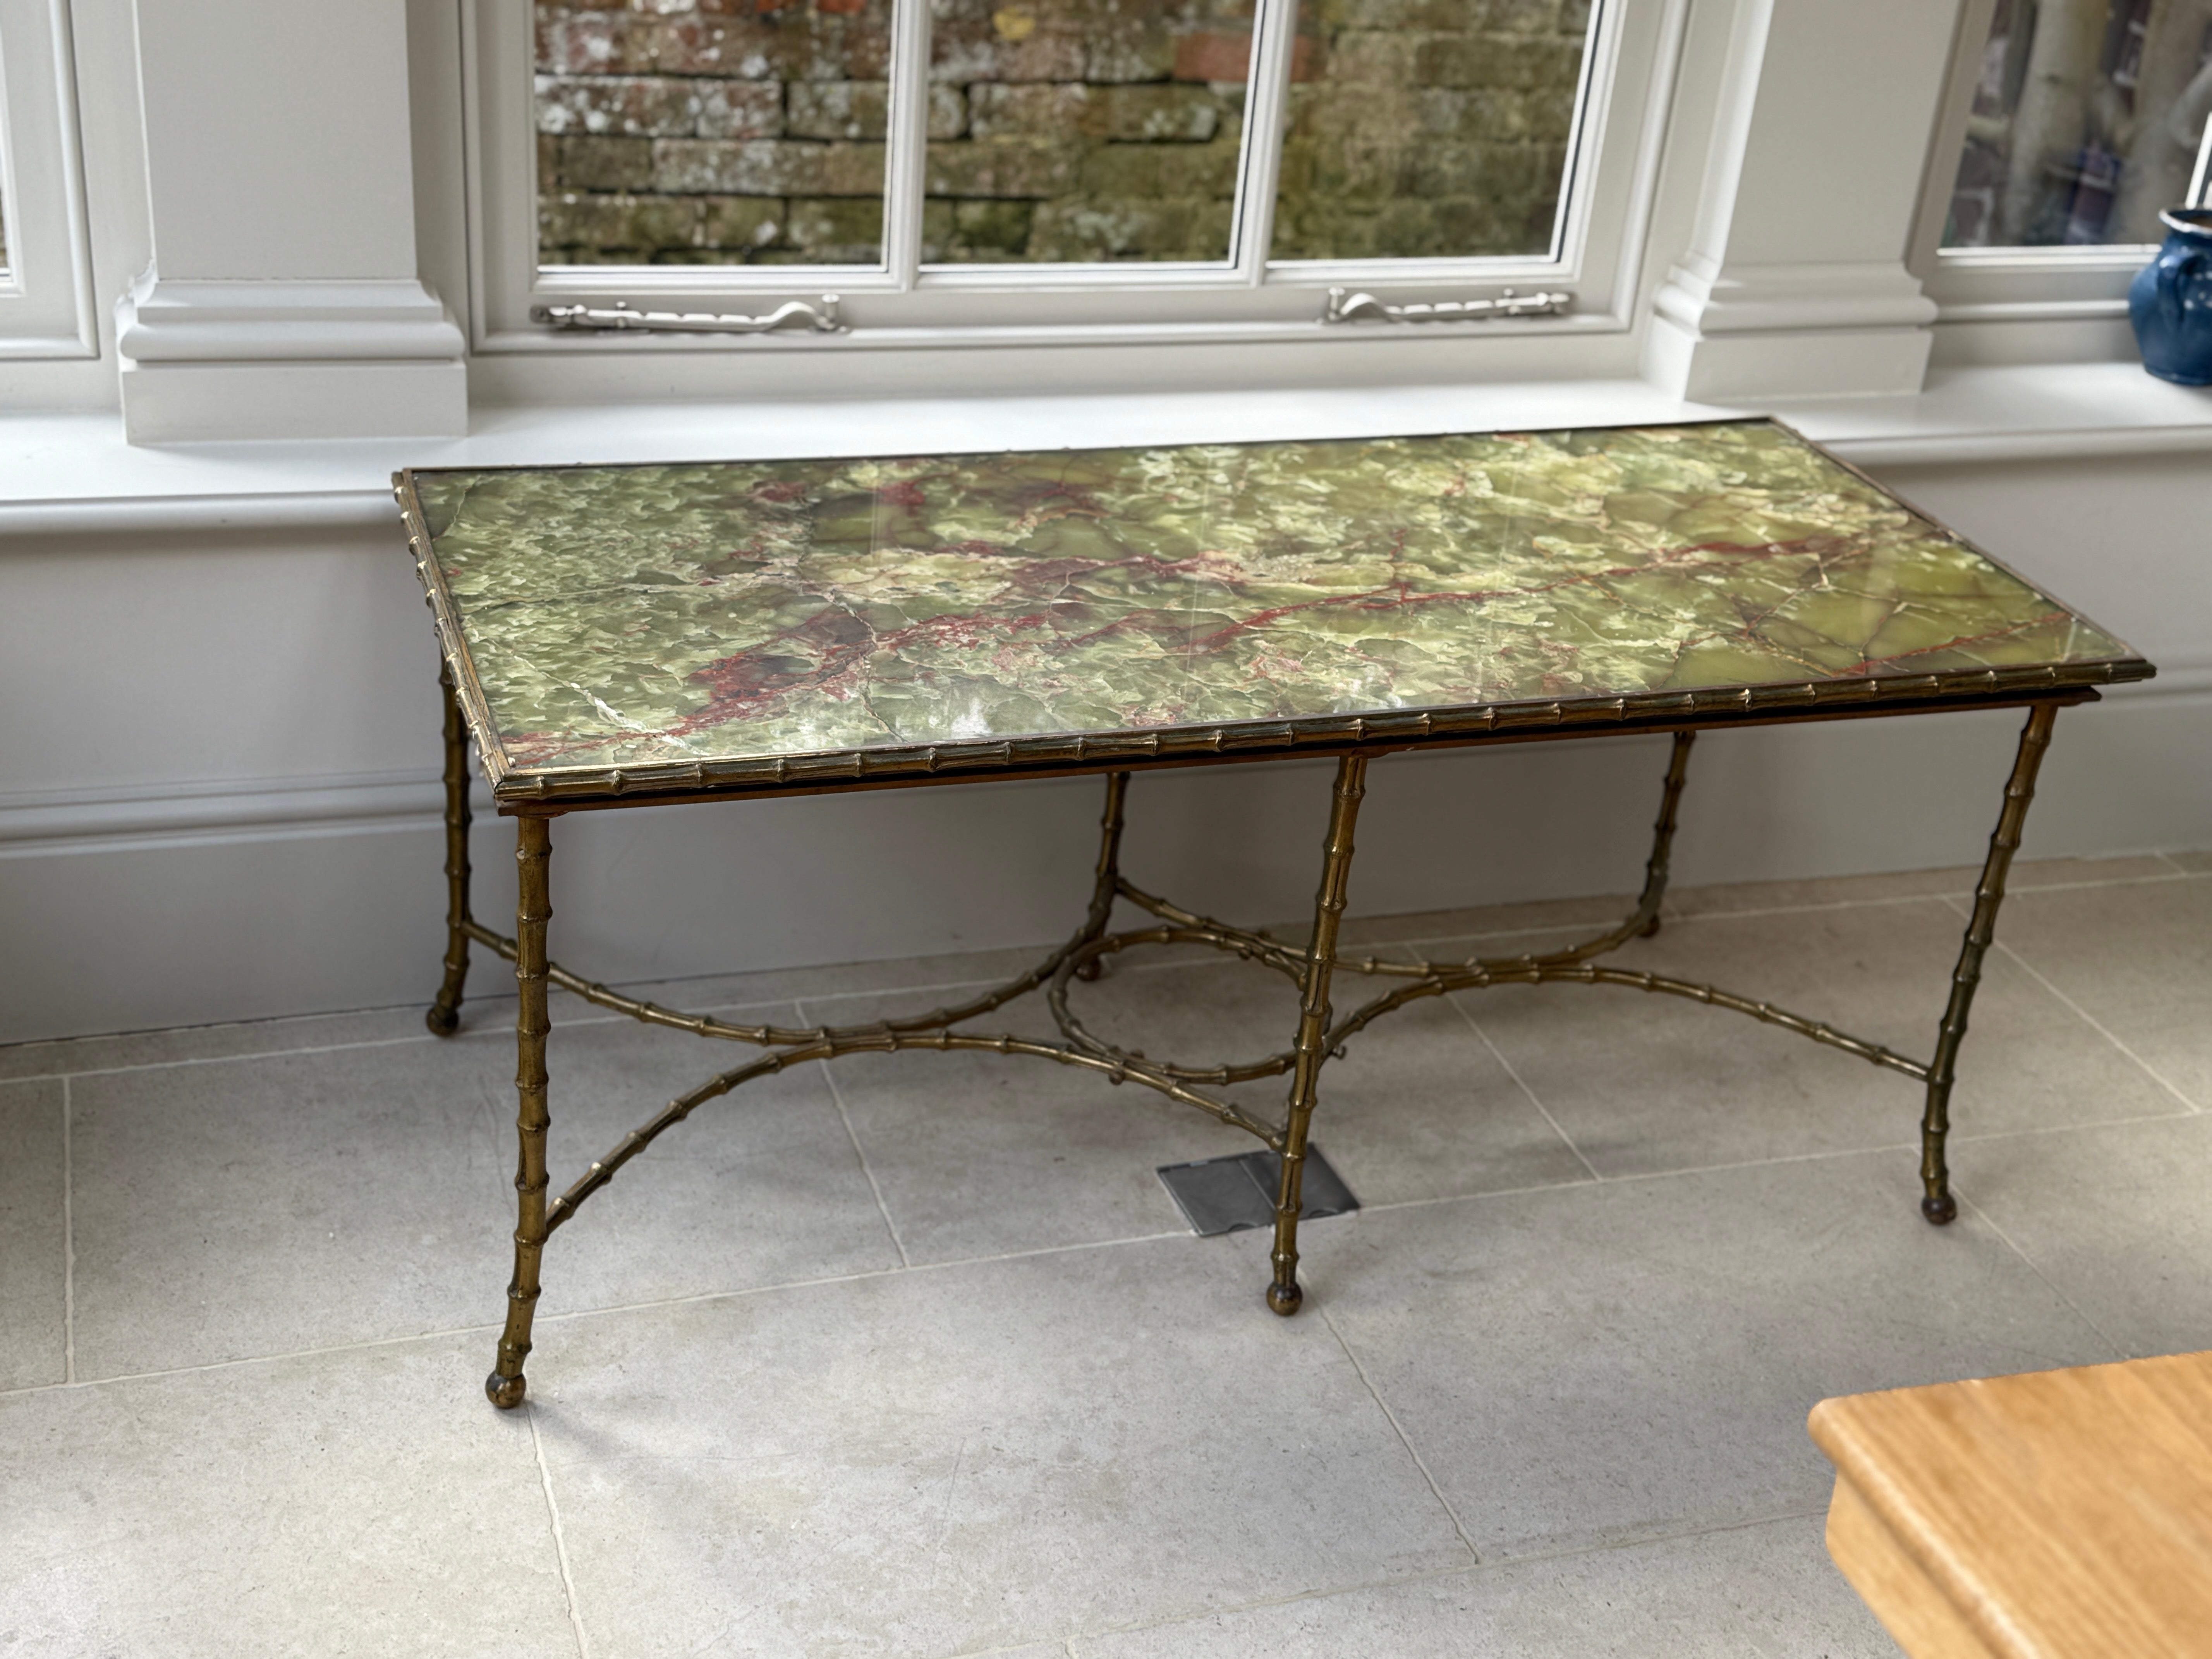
x=1428 y=129
x=712 y=131
x=2085 y=121
x=1084 y=129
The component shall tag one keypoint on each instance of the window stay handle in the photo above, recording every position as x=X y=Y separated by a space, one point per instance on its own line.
x=1345 y=307
x=621 y=318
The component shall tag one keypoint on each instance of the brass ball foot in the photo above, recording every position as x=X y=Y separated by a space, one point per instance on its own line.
x=442 y=1020
x=1284 y=1299
x=1650 y=930
x=505 y=1392
x=1940 y=1211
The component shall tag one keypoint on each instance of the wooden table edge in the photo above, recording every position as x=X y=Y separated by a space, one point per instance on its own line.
x=1914 y=1606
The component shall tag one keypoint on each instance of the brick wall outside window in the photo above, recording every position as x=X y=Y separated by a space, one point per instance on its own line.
x=751 y=131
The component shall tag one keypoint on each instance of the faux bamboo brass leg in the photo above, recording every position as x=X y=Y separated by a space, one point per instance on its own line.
x=1109 y=877
x=533 y=851
x=1312 y=1047
x=443 y=1017
x=1937 y=1204
x=1662 y=833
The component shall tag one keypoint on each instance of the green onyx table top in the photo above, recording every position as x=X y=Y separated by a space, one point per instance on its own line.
x=647 y=629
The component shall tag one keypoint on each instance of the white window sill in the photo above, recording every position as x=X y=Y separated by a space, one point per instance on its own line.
x=64 y=474
x=2028 y=411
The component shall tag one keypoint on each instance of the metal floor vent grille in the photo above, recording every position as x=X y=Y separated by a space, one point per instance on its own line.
x=1230 y=1195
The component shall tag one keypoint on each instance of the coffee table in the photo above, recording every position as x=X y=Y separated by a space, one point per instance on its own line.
x=2056 y=1515
x=637 y=635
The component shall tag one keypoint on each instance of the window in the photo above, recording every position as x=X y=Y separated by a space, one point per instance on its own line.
x=994 y=167
x=2085 y=120
x=2071 y=124
x=45 y=304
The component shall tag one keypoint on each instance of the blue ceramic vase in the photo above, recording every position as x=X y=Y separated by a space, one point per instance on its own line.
x=2170 y=302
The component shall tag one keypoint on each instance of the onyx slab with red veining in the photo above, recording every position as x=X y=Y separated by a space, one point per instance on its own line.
x=640 y=615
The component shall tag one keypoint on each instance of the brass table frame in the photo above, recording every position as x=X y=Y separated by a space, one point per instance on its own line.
x=1319 y=1037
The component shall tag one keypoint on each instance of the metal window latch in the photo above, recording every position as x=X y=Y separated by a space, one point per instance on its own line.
x=1345 y=306
x=620 y=317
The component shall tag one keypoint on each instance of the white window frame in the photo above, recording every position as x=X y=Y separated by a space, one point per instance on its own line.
x=2012 y=304
x=1615 y=151
x=45 y=292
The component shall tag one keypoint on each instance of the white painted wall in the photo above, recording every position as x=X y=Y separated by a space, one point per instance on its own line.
x=161 y=690
x=220 y=183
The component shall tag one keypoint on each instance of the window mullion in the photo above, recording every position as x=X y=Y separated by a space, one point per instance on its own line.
x=908 y=140
x=1274 y=38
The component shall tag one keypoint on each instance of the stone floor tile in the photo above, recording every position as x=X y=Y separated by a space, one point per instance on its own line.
x=1747 y=1593
x=488 y=1010
x=1606 y=1363
x=919 y=978
x=365 y=1504
x=761 y=1186
x=1954 y=881
x=1595 y=914
x=963 y=1458
x=2117 y=1219
x=203 y=1042
x=978 y=1155
x=1822 y=892
x=31 y=1234
x=1643 y=1083
x=1419 y=1108
x=265 y=1206
x=2138 y=960
x=2028 y=874
x=2197 y=860
x=924 y=975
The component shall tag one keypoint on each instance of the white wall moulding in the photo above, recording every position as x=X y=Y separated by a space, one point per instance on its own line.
x=1754 y=332
x=212 y=321
x=1792 y=298
x=35 y=823
x=1972 y=284
x=45 y=279
x=1996 y=305
x=238 y=359
x=284 y=299
x=1793 y=283
x=171 y=516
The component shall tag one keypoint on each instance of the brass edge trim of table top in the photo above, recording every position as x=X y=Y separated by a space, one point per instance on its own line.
x=445 y=621
x=566 y=787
